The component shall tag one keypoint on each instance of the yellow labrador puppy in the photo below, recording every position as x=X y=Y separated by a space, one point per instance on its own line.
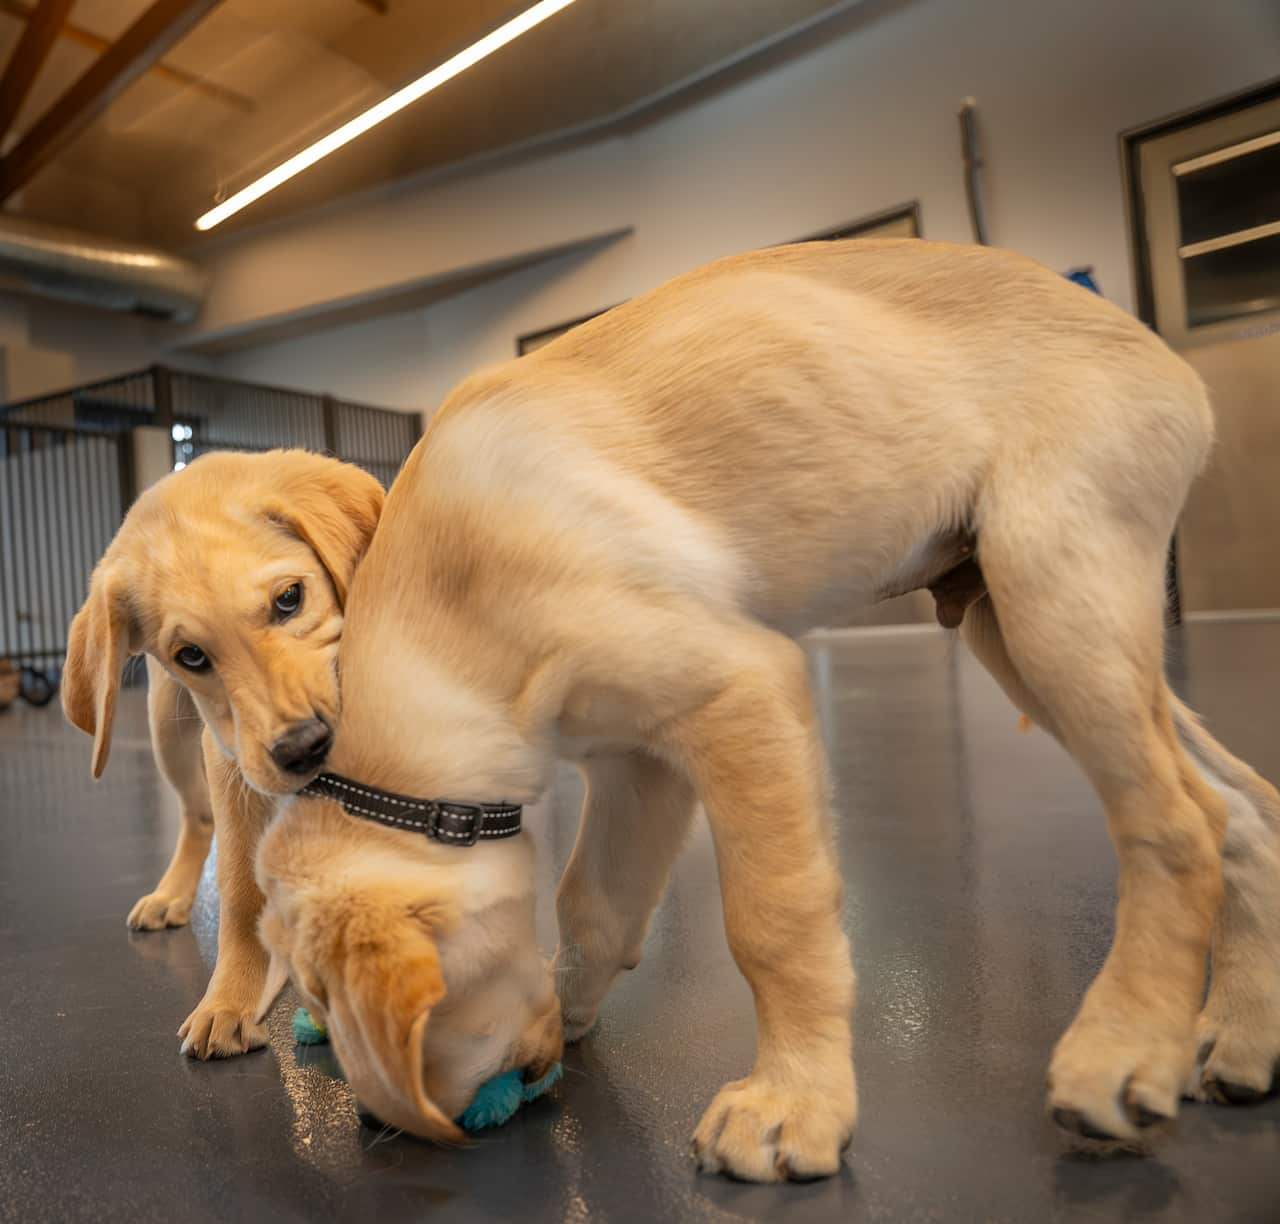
x=604 y=552
x=230 y=575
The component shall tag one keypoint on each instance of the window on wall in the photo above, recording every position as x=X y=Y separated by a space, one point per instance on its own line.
x=1229 y=222
x=1205 y=208
x=902 y=221
x=1204 y=215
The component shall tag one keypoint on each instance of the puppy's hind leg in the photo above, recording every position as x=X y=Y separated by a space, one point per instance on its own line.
x=1079 y=613
x=176 y=728
x=981 y=633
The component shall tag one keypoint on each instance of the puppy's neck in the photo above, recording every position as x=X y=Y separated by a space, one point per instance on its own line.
x=326 y=845
x=489 y=874
x=411 y=727
x=447 y=691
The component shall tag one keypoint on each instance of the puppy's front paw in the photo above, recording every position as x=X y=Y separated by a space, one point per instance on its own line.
x=221 y=1029
x=158 y=910
x=761 y=1131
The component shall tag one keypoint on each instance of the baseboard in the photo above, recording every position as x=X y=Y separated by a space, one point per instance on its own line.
x=1238 y=614
x=877 y=631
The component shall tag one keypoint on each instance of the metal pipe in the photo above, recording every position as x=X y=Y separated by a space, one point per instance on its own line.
x=973 y=166
x=80 y=267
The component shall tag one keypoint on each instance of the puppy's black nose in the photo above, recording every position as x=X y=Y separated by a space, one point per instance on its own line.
x=303 y=747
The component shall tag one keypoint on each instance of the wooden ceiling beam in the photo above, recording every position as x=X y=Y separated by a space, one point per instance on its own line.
x=34 y=44
x=23 y=9
x=136 y=51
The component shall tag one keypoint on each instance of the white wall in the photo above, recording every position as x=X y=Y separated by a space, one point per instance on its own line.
x=866 y=121
x=101 y=343
x=47 y=345
x=366 y=361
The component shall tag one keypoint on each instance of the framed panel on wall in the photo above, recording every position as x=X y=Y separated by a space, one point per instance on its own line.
x=901 y=221
x=535 y=340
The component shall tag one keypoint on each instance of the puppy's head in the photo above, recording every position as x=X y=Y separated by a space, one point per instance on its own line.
x=233 y=574
x=420 y=959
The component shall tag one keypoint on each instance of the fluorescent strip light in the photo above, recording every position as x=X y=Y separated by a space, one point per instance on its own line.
x=478 y=50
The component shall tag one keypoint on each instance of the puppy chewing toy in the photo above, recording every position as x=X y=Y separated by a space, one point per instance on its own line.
x=496 y=1101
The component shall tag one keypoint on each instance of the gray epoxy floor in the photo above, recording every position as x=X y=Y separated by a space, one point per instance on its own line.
x=980 y=885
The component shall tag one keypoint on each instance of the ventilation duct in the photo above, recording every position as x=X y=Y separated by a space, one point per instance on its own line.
x=79 y=267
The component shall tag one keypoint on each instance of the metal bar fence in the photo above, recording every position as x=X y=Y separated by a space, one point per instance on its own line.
x=66 y=475
x=62 y=495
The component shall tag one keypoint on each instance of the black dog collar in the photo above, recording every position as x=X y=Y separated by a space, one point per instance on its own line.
x=455 y=824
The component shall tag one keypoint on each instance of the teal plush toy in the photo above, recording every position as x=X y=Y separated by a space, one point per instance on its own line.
x=305 y=1029
x=496 y=1100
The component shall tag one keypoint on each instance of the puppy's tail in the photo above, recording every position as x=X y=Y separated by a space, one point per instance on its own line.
x=1253 y=803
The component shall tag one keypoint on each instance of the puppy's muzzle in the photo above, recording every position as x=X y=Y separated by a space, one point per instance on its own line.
x=303 y=747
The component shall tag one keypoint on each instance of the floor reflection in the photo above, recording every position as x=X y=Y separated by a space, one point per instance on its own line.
x=980 y=893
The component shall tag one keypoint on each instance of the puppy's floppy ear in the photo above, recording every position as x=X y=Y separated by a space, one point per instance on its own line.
x=333 y=507
x=97 y=650
x=382 y=981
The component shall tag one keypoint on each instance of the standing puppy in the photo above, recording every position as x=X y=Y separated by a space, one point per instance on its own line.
x=604 y=552
x=230 y=576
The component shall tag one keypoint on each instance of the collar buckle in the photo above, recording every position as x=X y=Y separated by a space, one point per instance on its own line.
x=464 y=821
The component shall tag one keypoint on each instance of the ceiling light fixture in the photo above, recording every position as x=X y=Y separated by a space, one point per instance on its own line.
x=389 y=106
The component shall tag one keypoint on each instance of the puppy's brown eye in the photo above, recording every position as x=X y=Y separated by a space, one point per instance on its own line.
x=192 y=658
x=289 y=600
